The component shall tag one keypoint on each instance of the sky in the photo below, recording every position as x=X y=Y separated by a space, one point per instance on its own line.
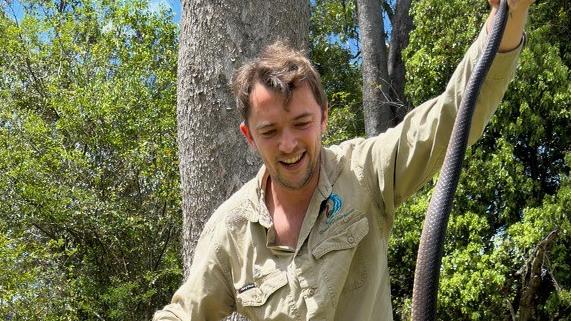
x=174 y=5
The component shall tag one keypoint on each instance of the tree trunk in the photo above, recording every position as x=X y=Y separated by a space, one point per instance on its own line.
x=384 y=103
x=377 y=110
x=402 y=25
x=217 y=36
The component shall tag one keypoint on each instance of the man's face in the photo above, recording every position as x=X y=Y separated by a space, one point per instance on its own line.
x=287 y=137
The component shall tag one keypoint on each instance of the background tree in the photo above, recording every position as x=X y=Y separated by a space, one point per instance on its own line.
x=514 y=191
x=363 y=37
x=89 y=204
x=217 y=37
x=377 y=110
x=333 y=34
x=382 y=67
x=89 y=194
x=401 y=23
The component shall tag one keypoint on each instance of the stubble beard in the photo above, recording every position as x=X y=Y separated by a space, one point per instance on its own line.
x=311 y=170
x=292 y=185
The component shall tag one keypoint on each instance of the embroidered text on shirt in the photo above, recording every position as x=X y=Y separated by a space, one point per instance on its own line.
x=246 y=288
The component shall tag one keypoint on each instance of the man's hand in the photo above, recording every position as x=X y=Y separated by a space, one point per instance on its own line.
x=515 y=5
x=517 y=18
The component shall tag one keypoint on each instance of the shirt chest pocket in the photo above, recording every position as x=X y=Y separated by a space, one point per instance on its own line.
x=340 y=262
x=257 y=293
x=341 y=239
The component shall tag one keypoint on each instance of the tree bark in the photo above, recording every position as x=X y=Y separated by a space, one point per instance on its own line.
x=402 y=25
x=384 y=103
x=377 y=110
x=217 y=36
x=532 y=278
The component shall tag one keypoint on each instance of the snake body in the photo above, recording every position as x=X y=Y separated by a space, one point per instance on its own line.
x=426 y=277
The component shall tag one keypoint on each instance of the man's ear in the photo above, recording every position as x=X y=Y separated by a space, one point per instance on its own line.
x=246 y=132
x=324 y=118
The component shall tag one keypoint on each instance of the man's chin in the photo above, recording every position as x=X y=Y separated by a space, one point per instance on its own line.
x=294 y=185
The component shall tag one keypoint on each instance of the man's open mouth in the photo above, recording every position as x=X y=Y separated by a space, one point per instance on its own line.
x=291 y=162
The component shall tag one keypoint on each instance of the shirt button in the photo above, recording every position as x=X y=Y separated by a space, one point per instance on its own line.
x=350 y=239
x=310 y=292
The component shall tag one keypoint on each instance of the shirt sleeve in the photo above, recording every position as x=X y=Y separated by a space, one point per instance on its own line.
x=397 y=162
x=207 y=293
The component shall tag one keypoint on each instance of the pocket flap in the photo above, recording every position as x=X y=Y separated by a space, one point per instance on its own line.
x=263 y=288
x=346 y=239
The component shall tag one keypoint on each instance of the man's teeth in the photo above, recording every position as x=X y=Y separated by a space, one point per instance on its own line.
x=293 y=159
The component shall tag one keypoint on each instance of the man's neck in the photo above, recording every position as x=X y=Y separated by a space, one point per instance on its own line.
x=291 y=199
x=287 y=208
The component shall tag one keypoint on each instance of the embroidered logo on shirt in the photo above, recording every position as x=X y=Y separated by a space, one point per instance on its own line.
x=246 y=288
x=333 y=205
x=331 y=208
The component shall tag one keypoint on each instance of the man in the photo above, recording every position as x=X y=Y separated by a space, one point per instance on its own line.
x=307 y=238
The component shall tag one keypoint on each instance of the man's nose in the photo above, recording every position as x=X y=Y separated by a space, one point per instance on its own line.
x=288 y=142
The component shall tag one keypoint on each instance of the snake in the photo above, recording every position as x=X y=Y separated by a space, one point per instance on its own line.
x=429 y=258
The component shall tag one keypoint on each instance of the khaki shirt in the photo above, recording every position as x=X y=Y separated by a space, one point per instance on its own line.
x=338 y=271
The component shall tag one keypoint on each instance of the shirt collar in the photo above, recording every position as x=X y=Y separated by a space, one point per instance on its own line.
x=330 y=168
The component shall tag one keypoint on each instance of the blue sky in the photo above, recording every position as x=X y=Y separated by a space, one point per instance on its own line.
x=174 y=5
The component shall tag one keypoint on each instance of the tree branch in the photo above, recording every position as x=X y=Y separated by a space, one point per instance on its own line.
x=532 y=279
x=511 y=308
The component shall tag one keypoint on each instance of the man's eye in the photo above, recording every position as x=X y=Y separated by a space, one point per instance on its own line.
x=303 y=125
x=268 y=133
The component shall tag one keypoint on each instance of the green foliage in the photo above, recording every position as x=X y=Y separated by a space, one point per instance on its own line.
x=343 y=122
x=89 y=196
x=334 y=19
x=333 y=29
x=515 y=186
x=31 y=281
x=537 y=222
x=403 y=251
x=443 y=30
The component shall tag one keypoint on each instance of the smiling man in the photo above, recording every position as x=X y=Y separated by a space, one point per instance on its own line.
x=286 y=131
x=307 y=238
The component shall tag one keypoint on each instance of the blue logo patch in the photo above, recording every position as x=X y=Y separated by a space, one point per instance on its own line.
x=333 y=205
x=331 y=208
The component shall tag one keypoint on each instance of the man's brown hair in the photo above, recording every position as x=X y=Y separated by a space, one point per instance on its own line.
x=280 y=68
